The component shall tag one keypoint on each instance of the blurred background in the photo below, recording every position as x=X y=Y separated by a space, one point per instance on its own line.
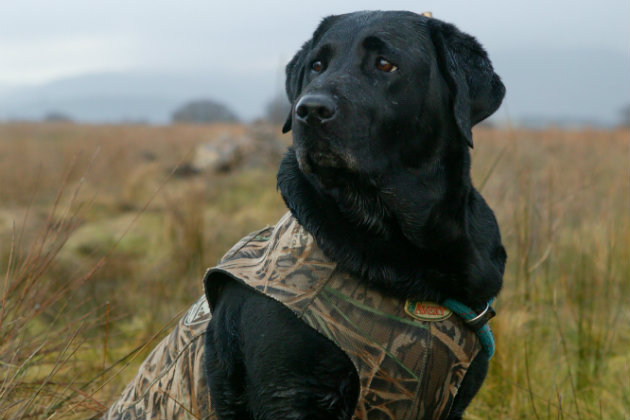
x=140 y=140
x=565 y=62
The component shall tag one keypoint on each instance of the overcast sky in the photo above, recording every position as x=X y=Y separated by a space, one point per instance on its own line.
x=41 y=40
x=46 y=40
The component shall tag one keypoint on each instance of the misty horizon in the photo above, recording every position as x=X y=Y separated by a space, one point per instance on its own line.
x=543 y=87
x=115 y=61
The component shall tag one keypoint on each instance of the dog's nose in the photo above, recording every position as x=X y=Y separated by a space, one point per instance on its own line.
x=315 y=108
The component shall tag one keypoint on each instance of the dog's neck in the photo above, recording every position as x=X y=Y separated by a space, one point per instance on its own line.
x=420 y=251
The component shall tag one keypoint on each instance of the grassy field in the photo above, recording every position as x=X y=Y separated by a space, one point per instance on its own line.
x=103 y=243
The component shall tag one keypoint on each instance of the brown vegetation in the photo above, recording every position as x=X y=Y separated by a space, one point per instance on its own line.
x=101 y=248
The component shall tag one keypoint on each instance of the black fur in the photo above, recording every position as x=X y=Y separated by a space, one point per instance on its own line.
x=264 y=363
x=382 y=181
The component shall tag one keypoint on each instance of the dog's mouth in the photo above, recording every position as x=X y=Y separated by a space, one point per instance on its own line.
x=322 y=168
x=354 y=194
x=314 y=161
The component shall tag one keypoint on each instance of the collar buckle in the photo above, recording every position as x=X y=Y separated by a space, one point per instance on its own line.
x=482 y=319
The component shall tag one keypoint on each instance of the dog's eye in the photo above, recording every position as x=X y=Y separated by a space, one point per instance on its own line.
x=386 y=66
x=317 y=66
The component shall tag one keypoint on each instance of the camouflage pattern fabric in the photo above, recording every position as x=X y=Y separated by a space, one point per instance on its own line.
x=171 y=382
x=408 y=368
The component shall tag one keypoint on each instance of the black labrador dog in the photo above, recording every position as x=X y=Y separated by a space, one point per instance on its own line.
x=379 y=174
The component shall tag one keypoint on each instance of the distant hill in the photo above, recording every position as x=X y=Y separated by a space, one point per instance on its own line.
x=135 y=96
x=566 y=87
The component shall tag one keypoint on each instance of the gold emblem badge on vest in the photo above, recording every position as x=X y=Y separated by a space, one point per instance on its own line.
x=426 y=311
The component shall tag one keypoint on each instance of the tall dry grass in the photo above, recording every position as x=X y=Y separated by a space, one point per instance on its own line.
x=42 y=326
x=562 y=199
x=96 y=272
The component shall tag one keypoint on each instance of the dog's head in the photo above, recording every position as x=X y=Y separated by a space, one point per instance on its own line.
x=370 y=87
x=379 y=172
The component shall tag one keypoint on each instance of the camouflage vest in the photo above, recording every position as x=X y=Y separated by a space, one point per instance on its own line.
x=410 y=356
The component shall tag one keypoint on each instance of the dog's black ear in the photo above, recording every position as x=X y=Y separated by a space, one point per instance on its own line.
x=297 y=67
x=295 y=74
x=477 y=90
